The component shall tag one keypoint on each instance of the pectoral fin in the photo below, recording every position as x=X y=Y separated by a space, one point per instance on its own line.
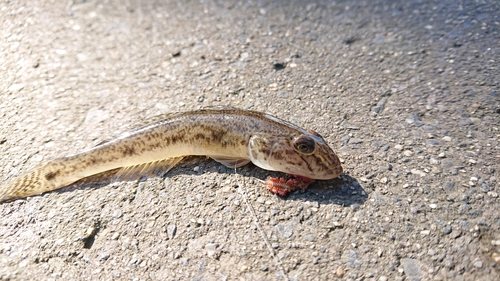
x=232 y=162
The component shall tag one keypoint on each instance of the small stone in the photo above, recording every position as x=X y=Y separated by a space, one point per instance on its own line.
x=447 y=229
x=383 y=180
x=282 y=94
x=355 y=207
x=433 y=206
x=211 y=249
x=447 y=138
x=413 y=119
x=340 y=272
x=90 y=231
x=417 y=172
x=103 y=256
x=398 y=147
x=425 y=232
x=496 y=257
x=478 y=264
x=196 y=169
x=433 y=161
x=492 y=194
x=355 y=141
x=171 y=230
x=466 y=122
x=310 y=238
x=117 y=214
x=14 y=88
x=464 y=198
x=455 y=234
x=284 y=230
x=432 y=142
x=412 y=269
x=408 y=153
x=442 y=155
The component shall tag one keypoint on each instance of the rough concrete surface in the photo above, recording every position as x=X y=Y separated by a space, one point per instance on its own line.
x=407 y=93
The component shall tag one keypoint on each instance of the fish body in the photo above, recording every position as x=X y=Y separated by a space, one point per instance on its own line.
x=230 y=136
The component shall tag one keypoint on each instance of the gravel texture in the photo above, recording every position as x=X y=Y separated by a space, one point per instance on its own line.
x=407 y=93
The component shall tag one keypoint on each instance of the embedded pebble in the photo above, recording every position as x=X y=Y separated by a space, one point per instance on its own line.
x=284 y=230
x=103 y=256
x=117 y=214
x=14 y=88
x=417 y=172
x=412 y=269
x=447 y=229
x=310 y=238
x=492 y=194
x=466 y=122
x=171 y=230
x=432 y=142
x=408 y=153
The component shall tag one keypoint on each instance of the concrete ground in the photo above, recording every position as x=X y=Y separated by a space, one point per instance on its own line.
x=406 y=92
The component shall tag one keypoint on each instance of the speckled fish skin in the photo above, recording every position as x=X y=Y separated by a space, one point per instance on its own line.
x=231 y=136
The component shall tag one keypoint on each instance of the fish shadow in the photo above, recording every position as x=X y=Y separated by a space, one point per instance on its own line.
x=344 y=190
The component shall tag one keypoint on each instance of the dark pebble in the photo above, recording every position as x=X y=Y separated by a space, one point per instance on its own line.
x=377 y=144
x=449 y=185
x=429 y=127
x=465 y=198
x=384 y=148
x=447 y=229
x=446 y=164
x=432 y=142
x=466 y=122
x=413 y=119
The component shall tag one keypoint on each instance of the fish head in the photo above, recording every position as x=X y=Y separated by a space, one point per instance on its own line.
x=304 y=154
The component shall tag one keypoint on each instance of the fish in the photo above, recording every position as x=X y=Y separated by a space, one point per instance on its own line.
x=230 y=136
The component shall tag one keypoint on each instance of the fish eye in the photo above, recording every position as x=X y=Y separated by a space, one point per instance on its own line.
x=304 y=144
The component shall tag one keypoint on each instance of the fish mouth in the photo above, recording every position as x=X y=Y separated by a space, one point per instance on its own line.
x=328 y=174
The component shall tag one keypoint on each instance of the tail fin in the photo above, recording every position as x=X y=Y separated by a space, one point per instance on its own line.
x=58 y=174
x=36 y=181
